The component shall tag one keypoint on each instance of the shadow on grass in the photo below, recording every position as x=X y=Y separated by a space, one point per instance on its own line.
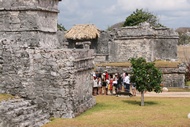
x=96 y=108
x=99 y=107
x=134 y=102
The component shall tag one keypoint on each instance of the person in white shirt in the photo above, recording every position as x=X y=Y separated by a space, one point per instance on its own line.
x=127 y=82
x=95 y=85
x=99 y=86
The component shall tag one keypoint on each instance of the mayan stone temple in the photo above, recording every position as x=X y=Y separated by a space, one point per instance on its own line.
x=46 y=78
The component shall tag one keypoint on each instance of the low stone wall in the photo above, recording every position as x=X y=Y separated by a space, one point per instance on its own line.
x=174 y=80
x=58 y=80
x=172 y=77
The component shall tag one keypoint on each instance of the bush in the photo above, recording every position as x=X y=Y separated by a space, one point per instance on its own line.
x=140 y=16
x=187 y=75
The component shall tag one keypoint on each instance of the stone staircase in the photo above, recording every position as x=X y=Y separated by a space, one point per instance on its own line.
x=21 y=113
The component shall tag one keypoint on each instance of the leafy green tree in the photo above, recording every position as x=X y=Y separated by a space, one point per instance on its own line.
x=183 y=38
x=60 y=27
x=140 y=16
x=146 y=76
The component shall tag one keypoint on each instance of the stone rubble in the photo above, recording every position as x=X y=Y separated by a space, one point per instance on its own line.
x=21 y=113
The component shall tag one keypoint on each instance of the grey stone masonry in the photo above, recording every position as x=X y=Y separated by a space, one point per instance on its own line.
x=121 y=44
x=21 y=113
x=143 y=41
x=172 y=77
x=33 y=64
x=30 y=24
x=26 y=15
x=59 y=81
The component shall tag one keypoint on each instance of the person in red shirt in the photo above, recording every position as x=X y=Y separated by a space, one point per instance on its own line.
x=107 y=75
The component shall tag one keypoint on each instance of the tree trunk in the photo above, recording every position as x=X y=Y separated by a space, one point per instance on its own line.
x=142 y=98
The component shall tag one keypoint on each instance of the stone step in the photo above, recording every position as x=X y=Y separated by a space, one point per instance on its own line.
x=21 y=113
x=38 y=121
x=22 y=110
x=26 y=116
x=27 y=123
x=42 y=116
x=13 y=104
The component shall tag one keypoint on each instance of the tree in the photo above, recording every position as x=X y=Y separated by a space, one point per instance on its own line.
x=184 y=38
x=140 y=16
x=60 y=27
x=146 y=76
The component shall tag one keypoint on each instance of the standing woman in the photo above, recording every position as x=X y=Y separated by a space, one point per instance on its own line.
x=99 y=86
x=111 y=84
x=115 y=83
x=104 y=84
x=119 y=82
x=95 y=86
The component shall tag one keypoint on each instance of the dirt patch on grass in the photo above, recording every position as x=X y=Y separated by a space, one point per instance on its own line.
x=5 y=97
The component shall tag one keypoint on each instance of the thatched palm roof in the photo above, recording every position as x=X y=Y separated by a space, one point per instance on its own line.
x=83 y=32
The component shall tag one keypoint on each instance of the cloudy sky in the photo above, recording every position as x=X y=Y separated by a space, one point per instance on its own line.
x=104 y=13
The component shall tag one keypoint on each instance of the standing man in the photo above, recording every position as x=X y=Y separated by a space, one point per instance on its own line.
x=126 y=82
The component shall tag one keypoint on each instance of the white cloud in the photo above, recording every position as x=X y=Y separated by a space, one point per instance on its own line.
x=104 y=13
x=131 y=5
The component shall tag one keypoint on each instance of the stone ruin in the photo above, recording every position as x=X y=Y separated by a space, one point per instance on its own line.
x=34 y=64
x=153 y=44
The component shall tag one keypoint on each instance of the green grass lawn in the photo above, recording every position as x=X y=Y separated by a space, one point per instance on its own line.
x=111 y=111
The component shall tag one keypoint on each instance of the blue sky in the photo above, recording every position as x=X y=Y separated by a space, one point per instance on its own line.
x=104 y=13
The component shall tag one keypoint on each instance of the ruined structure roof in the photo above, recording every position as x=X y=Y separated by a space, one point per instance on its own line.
x=116 y=26
x=83 y=32
x=183 y=29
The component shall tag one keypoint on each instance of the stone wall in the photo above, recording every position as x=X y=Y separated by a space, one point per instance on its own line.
x=53 y=79
x=26 y=15
x=33 y=64
x=21 y=113
x=172 y=77
x=138 y=41
x=153 y=44
x=31 y=5
x=143 y=41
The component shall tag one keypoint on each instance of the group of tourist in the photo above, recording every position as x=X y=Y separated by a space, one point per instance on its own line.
x=105 y=83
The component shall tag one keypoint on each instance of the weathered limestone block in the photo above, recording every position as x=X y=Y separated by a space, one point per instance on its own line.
x=30 y=20
x=103 y=42
x=147 y=42
x=62 y=40
x=174 y=80
x=59 y=81
x=165 y=48
x=21 y=113
x=33 y=67
x=19 y=40
x=123 y=50
x=137 y=41
x=144 y=30
x=34 y=4
x=172 y=77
